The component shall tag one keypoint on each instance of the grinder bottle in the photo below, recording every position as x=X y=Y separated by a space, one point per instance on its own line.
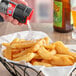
x=18 y=11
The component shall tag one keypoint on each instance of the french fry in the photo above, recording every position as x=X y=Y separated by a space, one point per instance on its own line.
x=45 y=54
x=7 y=53
x=23 y=45
x=42 y=64
x=39 y=52
x=46 y=61
x=62 y=60
x=22 y=53
x=53 y=52
x=38 y=45
x=16 y=51
x=32 y=61
x=28 y=57
x=47 y=39
x=28 y=44
x=73 y=54
x=61 y=49
x=26 y=51
x=37 y=56
x=50 y=46
x=32 y=49
x=15 y=40
x=6 y=44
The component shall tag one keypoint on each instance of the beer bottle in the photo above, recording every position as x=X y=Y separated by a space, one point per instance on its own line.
x=62 y=16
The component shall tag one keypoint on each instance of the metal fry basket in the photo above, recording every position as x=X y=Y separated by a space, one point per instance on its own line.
x=16 y=69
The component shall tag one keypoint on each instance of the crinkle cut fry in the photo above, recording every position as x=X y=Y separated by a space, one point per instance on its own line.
x=28 y=57
x=42 y=64
x=34 y=48
x=45 y=54
x=61 y=49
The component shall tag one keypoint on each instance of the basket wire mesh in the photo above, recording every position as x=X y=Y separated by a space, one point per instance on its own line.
x=16 y=69
x=74 y=70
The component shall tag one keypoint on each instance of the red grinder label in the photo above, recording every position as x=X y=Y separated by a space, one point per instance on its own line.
x=10 y=9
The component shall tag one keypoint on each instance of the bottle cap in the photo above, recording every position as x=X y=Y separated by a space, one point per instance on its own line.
x=22 y=13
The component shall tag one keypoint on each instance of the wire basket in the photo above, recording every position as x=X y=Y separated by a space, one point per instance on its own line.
x=19 y=70
x=73 y=71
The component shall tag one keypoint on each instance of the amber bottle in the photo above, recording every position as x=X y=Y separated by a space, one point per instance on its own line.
x=62 y=16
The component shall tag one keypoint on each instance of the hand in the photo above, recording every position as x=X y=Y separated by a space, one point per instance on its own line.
x=11 y=19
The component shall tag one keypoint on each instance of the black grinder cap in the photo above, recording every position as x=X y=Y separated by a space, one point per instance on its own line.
x=22 y=12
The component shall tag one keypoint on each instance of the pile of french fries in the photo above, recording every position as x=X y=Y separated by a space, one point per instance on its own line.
x=39 y=52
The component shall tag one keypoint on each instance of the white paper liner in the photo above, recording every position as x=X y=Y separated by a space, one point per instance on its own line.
x=47 y=71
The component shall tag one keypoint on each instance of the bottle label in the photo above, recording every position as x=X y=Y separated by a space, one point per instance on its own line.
x=58 y=14
x=10 y=9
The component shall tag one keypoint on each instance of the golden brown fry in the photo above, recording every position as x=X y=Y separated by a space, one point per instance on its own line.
x=23 y=45
x=73 y=54
x=26 y=51
x=39 y=52
x=45 y=54
x=60 y=48
x=27 y=57
x=15 y=40
x=37 y=56
x=16 y=51
x=50 y=46
x=42 y=64
x=47 y=39
x=68 y=56
x=62 y=60
x=53 y=52
x=46 y=61
x=38 y=45
x=7 y=53
x=6 y=44
x=31 y=49
x=28 y=44
x=32 y=61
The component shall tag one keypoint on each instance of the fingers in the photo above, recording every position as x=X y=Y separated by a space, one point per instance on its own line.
x=6 y=17
x=9 y=18
x=15 y=22
x=20 y=24
x=20 y=1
